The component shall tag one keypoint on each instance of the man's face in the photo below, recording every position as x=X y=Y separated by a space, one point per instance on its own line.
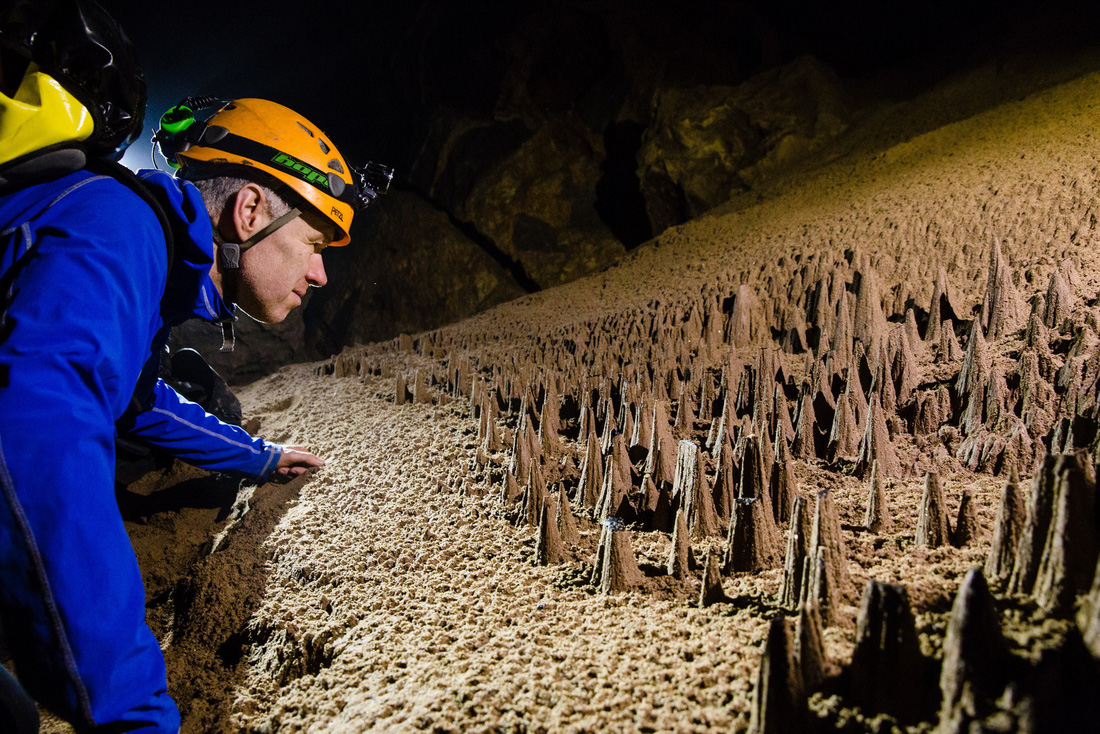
x=276 y=272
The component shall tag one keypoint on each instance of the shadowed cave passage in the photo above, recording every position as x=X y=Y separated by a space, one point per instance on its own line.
x=619 y=200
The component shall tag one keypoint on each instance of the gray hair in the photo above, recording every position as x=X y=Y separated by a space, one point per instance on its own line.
x=219 y=190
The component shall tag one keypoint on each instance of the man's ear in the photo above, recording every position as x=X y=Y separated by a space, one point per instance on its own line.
x=248 y=209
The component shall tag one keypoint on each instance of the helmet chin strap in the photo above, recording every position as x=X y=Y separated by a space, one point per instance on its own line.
x=231 y=251
x=229 y=254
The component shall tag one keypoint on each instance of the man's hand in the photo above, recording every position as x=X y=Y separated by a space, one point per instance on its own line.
x=294 y=462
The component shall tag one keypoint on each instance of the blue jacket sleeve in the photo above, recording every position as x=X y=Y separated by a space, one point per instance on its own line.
x=186 y=431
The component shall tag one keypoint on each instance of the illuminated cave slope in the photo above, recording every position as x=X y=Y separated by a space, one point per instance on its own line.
x=826 y=459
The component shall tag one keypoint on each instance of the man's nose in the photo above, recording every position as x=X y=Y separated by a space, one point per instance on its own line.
x=316 y=276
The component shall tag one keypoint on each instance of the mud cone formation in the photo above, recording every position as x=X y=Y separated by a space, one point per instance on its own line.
x=701 y=437
x=844 y=414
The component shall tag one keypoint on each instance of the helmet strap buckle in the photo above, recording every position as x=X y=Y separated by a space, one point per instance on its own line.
x=230 y=253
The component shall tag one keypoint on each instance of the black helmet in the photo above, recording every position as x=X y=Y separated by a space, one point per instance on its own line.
x=77 y=43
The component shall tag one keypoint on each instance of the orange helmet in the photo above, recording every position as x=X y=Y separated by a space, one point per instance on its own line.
x=268 y=137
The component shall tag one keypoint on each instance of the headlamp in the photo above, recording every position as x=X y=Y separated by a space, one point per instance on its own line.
x=371 y=181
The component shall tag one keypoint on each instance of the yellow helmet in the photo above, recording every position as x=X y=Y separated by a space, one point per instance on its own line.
x=268 y=137
x=40 y=114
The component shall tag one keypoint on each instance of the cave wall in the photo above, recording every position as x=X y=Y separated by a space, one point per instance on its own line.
x=539 y=143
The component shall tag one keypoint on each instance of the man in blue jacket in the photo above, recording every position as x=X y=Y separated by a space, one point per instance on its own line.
x=89 y=289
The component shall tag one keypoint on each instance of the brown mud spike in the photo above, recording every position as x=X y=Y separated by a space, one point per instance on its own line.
x=751 y=544
x=680 y=560
x=685 y=413
x=779 y=699
x=711 y=590
x=976 y=364
x=613 y=495
x=1039 y=511
x=706 y=397
x=716 y=435
x=767 y=460
x=841 y=342
x=1060 y=300
x=587 y=420
x=1003 y=310
x=933 y=410
x=521 y=461
x=754 y=481
x=1036 y=334
x=745 y=318
x=816 y=588
x=532 y=502
x=905 y=367
x=798 y=539
x=509 y=489
x=975 y=657
x=932 y=528
x=940 y=309
x=566 y=520
x=853 y=386
x=1007 y=529
x=869 y=321
x=809 y=633
x=744 y=401
x=1070 y=552
x=783 y=485
x=690 y=493
x=888 y=670
x=610 y=427
x=912 y=332
x=825 y=578
x=643 y=426
x=492 y=441
x=549 y=424
x=805 y=429
x=781 y=417
x=626 y=421
x=882 y=385
x=421 y=391
x=549 y=549
x=619 y=570
x=760 y=418
x=845 y=435
x=588 y=489
x=725 y=483
x=949 y=347
x=822 y=311
x=967 y=525
x=876 y=446
x=664 y=469
x=998 y=401
x=876 y=518
x=826 y=533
